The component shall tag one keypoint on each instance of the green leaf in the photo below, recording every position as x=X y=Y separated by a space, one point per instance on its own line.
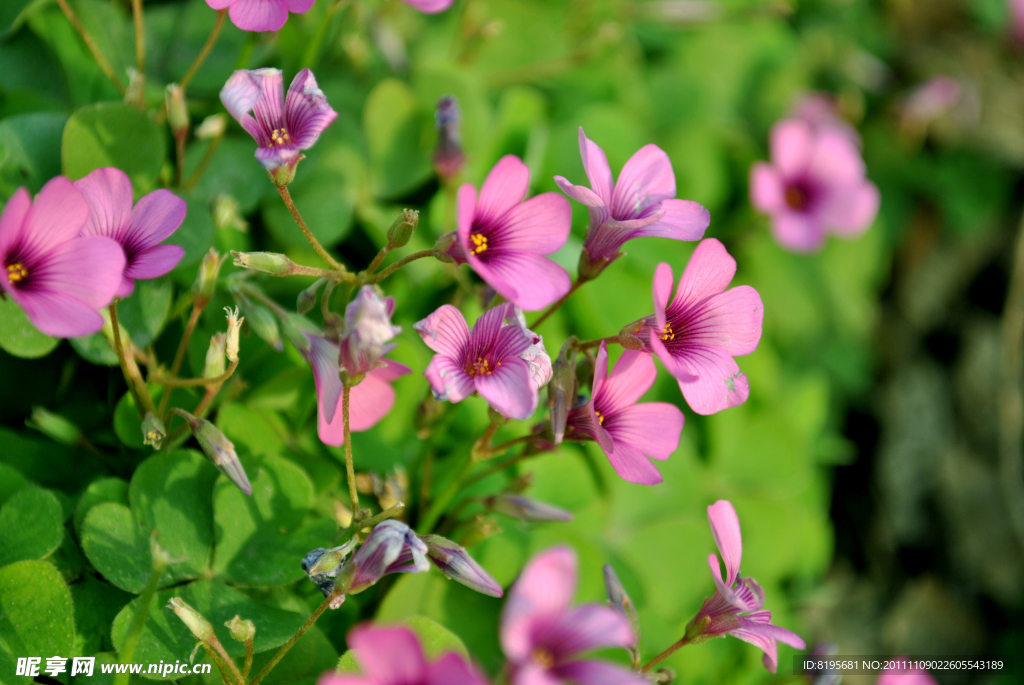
x=435 y=638
x=31 y=525
x=38 y=616
x=326 y=211
x=11 y=481
x=166 y=637
x=96 y=605
x=394 y=125
x=312 y=656
x=17 y=334
x=98 y=491
x=30 y=145
x=195 y=235
x=94 y=349
x=117 y=546
x=232 y=170
x=10 y=11
x=112 y=134
x=144 y=312
x=261 y=539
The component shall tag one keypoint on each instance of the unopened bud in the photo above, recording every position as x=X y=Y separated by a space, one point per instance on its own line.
x=629 y=336
x=402 y=228
x=448 y=156
x=213 y=126
x=206 y=280
x=227 y=214
x=234 y=326
x=457 y=565
x=241 y=629
x=264 y=324
x=327 y=561
x=153 y=431
x=218 y=449
x=307 y=298
x=392 y=547
x=448 y=250
x=271 y=263
x=620 y=601
x=562 y=389
x=54 y=426
x=177 y=109
x=215 y=365
x=368 y=330
x=285 y=174
x=526 y=509
x=196 y=623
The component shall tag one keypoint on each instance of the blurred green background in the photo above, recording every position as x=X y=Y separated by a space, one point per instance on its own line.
x=865 y=466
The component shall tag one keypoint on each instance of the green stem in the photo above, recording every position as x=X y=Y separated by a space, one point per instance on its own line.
x=131 y=372
x=195 y=382
x=611 y=339
x=220 y=664
x=131 y=638
x=295 y=638
x=346 y=393
x=201 y=57
x=324 y=254
x=399 y=264
x=179 y=356
x=438 y=506
x=248 y=658
x=313 y=49
x=91 y=45
x=683 y=641
x=378 y=259
x=554 y=308
x=203 y=163
x=215 y=643
x=503 y=447
x=140 y=36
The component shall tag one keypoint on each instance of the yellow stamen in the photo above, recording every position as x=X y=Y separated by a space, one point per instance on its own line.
x=543 y=658
x=16 y=272
x=280 y=136
x=667 y=333
x=481 y=367
x=479 y=243
x=600 y=419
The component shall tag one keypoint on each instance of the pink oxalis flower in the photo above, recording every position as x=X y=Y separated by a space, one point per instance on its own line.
x=489 y=359
x=642 y=203
x=139 y=232
x=735 y=608
x=543 y=636
x=431 y=6
x=698 y=333
x=368 y=330
x=260 y=15
x=627 y=432
x=393 y=656
x=504 y=239
x=59 y=277
x=905 y=676
x=815 y=184
x=280 y=132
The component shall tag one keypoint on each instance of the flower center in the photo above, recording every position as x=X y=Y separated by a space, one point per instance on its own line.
x=479 y=243
x=796 y=197
x=16 y=272
x=543 y=657
x=481 y=367
x=279 y=137
x=600 y=419
x=667 y=333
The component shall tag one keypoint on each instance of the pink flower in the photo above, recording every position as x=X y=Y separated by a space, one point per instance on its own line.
x=903 y=676
x=393 y=656
x=504 y=239
x=821 y=111
x=369 y=401
x=735 y=608
x=1017 y=19
x=931 y=100
x=368 y=331
x=627 y=432
x=260 y=15
x=697 y=335
x=156 y=216
x=488 y=359
x=542 y=635
x=641 y=204
x=815 y=184
x=431 y=6
x=280 y=132
x=59 y=277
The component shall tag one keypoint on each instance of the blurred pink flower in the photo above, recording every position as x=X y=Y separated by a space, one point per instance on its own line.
x=820 y=111
x=59 y=277
x=488 y=359
x=815 y=184
x=931 y=100
x=542 y=635
x=280 y=133
x=367 y=331
x=1016 y=8
x=260 y=15
x=431 y=6
x=627 y=432
x=735 y=608
x=157 y=215
x=914 y=676
x=642 y=203
x=369 y=401
x=504 y=239
x=697 y=335
x=393 y=656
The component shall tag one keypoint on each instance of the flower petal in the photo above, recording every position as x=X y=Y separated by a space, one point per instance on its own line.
x=798 y=231
x=57 y=216
x=89 y=268
x=581 y=194
x=388 y=656
x=306 y=112
x=544 y=591
x=431 y=6
x=725 y=527
x=156 y=261
x=675 y=366
x=595 y=164
x=298 y=6
x=792 y=144
x=652 y=428
x=632 y=466
x=452 y=669
x=531 y=673
x=504 y=188
x=108 y=192
x=633 y=375
x=530 y=281
x=239 y=96
x=509 y=389
x=156 y=216
x=730 y=321
x=850 y=210
x=709 y=272
x=369 y=402
x=767 y=189
x=448 y=380
x=540 y=225
x=269 y=109
x=662 y=288
x=646 y=179
x=835 y=159
x=13 y=218
x=720 y=384
x=258 y=15
x=323 y=359
x=758 y=631
x=586 y=627
x=681 y=220
x=598 y=673
x=57 y=314
x=445 y=332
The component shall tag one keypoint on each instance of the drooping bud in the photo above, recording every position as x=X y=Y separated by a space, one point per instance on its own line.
x=367 y=331
x=562 y=390
x=392 y=547
x=264 y=324
x=448 y=156
x=196 y=623
x=213 y=126
x=241 y=629
x=215 y=365
x=402 y=228
x=227 y=214
x=177 y=109
x=456 y=564
x=629 y=336
x=206 y=280
x=448 y=250
x=54 y=426
x=218 y=449
x=307 y=298
x=153 y=431
x=271 y=263
x=620 y=601
x=526 y=509
x=234 y=327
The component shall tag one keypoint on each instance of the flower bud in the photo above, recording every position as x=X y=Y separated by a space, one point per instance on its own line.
x=268 y=262
x=323 y=581
x=562 y=389
x=234 y=326
x=213 y=126
x=177 y=110
x=392 y=547
x=448 y=250
x=285 y=174
x=264 y=324
x=629 y=336
x=526 y=509
x=328 y=561
x=457 y=565
x=153 y=431
x=367 y=330
x=54 y=426
x=241 y=629
x=620 y=601
x=206 y=280
x=402 y=228
x=218 y=449
x=196 y=623
x=227 y=214
x=307 y=298
x=448 y=156
x=215 y=365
